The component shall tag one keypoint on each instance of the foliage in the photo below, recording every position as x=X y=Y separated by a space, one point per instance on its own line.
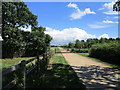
x=17 y=42
x=12 y=21
x=37 y=41
x=109 y=52
x=71 y=45
x=79 y=50
x=116 y=6
x=80 y=44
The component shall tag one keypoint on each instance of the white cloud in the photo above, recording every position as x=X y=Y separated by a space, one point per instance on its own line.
x=67 y=35
x=103 y=36
x=118 y=17
x=95 y=26
x=108 y=21
x=77 y=14
x=72 y=5
x=100 y=8
x=109 y=8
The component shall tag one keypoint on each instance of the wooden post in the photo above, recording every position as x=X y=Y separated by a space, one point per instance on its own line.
x=55 y=50
x=38 y=64
x=23 y=64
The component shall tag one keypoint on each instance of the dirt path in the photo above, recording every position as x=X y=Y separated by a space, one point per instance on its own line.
x=93 y=74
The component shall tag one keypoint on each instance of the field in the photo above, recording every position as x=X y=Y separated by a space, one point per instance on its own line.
x=10 y=62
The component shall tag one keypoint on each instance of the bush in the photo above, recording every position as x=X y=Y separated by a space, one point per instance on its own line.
x=109 y=52
x=79 y=50
x=72 y=50
x=83 y=50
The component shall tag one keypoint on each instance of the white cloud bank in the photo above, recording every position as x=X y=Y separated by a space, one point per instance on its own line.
x=67 y=35
x=108 y=21
x=95 y=26
x=77 y=14
x=103 y=36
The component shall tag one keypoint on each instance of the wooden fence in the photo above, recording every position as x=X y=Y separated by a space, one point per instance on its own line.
x=22 y=66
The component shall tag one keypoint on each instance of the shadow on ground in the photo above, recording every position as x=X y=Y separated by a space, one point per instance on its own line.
x=61 y=76
x=96 y=76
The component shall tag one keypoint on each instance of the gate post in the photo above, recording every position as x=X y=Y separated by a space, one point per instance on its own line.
x=23 y=64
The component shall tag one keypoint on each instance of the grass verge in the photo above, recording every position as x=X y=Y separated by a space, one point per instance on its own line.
x=61 y=75
x=98 y=60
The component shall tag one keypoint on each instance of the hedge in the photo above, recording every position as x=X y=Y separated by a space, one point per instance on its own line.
x=79 y=50
x=108 y=52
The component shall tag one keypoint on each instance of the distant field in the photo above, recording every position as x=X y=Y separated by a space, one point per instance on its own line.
x=10 y=62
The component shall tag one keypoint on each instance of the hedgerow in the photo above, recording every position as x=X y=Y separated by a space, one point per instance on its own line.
x=108 y=52
x=79 y=50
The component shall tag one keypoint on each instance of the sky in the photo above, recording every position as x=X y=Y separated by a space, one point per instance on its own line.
x=68 y=21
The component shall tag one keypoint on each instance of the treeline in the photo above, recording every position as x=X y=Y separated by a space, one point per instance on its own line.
x=16 y=16
x=107 y=50
x=80 y=44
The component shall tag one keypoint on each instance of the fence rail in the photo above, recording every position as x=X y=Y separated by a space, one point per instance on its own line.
x=25 y=70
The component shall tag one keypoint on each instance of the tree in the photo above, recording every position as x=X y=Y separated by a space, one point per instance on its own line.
x=37 y=41
x=116 y=6
x=71 y=45
x=15 y=15
x=77 y=44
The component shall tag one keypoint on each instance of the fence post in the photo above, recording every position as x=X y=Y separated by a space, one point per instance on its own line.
x=23 y=64
x=55 y=50
x=38 y=64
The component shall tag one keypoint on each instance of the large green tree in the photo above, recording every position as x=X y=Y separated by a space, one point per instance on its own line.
x=15 y=15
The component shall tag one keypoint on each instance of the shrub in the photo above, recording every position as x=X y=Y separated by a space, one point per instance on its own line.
x=83 y=50
x=79 y=50
x=67 y=49
x=72 y=50
x=109 y=52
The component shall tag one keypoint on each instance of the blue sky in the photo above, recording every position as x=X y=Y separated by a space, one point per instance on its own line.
x=68 y=21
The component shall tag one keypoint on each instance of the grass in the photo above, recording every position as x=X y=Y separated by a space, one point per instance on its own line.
x=10 y=62
x=98 y=60
x=55 y=49
x=61 y=75
x=59 y=60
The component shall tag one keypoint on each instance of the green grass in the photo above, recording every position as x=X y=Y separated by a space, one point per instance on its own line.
x=59 y=60
x=10 y=62
x=61 y=75
x=55 y=49
x=98 y=60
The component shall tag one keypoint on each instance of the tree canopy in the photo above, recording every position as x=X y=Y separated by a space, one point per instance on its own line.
x=116 y=6
x=16 y=15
